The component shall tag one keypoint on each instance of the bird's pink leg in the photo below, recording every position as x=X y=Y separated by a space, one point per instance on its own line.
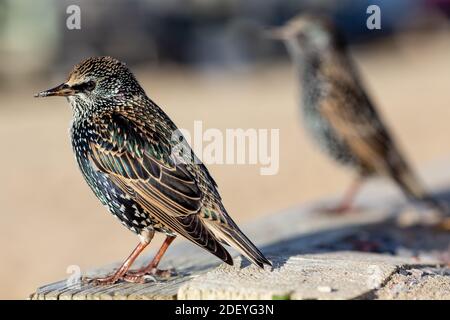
x=347 y=201
x=152 y=267
x=120 y=273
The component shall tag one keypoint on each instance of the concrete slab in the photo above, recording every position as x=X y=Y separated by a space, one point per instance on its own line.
x=338 y=275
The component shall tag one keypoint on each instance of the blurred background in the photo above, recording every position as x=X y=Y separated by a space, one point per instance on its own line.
x=199 y=60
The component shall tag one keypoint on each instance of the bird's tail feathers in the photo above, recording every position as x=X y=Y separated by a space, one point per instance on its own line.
x=414 y=190
x=219 y=251
x=234 y=237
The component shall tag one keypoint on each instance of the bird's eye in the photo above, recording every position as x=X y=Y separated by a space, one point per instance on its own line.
x=85 y=86
x=90 y=85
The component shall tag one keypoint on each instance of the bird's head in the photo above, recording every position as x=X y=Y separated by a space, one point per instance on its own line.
x=95 y=80
x=307 y=33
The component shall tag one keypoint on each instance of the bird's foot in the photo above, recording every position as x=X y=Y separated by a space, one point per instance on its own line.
x=128 y=277
x=108 y=280
x=141 y=276
x=152 y=271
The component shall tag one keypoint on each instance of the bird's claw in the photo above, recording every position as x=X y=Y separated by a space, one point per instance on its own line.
x=138 y=278
x=142 y=276
x=152 y=272
x=103 y=281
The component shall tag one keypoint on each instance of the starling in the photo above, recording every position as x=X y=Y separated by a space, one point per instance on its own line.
x=339 y=114
x=124 y=146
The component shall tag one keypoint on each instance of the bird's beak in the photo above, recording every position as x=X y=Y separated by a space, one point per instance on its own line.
x=63 y=90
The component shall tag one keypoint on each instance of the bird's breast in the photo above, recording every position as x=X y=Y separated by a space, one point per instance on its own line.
x=321 y=130
x=118 y=202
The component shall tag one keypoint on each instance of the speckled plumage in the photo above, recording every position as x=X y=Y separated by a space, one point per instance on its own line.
x=124 y=146
x=337 y=112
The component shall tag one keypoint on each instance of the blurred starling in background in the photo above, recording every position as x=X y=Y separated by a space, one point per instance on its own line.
x=338 y=113
x=125 y=147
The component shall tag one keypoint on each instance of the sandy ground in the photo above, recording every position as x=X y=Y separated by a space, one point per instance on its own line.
x=50 y=219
